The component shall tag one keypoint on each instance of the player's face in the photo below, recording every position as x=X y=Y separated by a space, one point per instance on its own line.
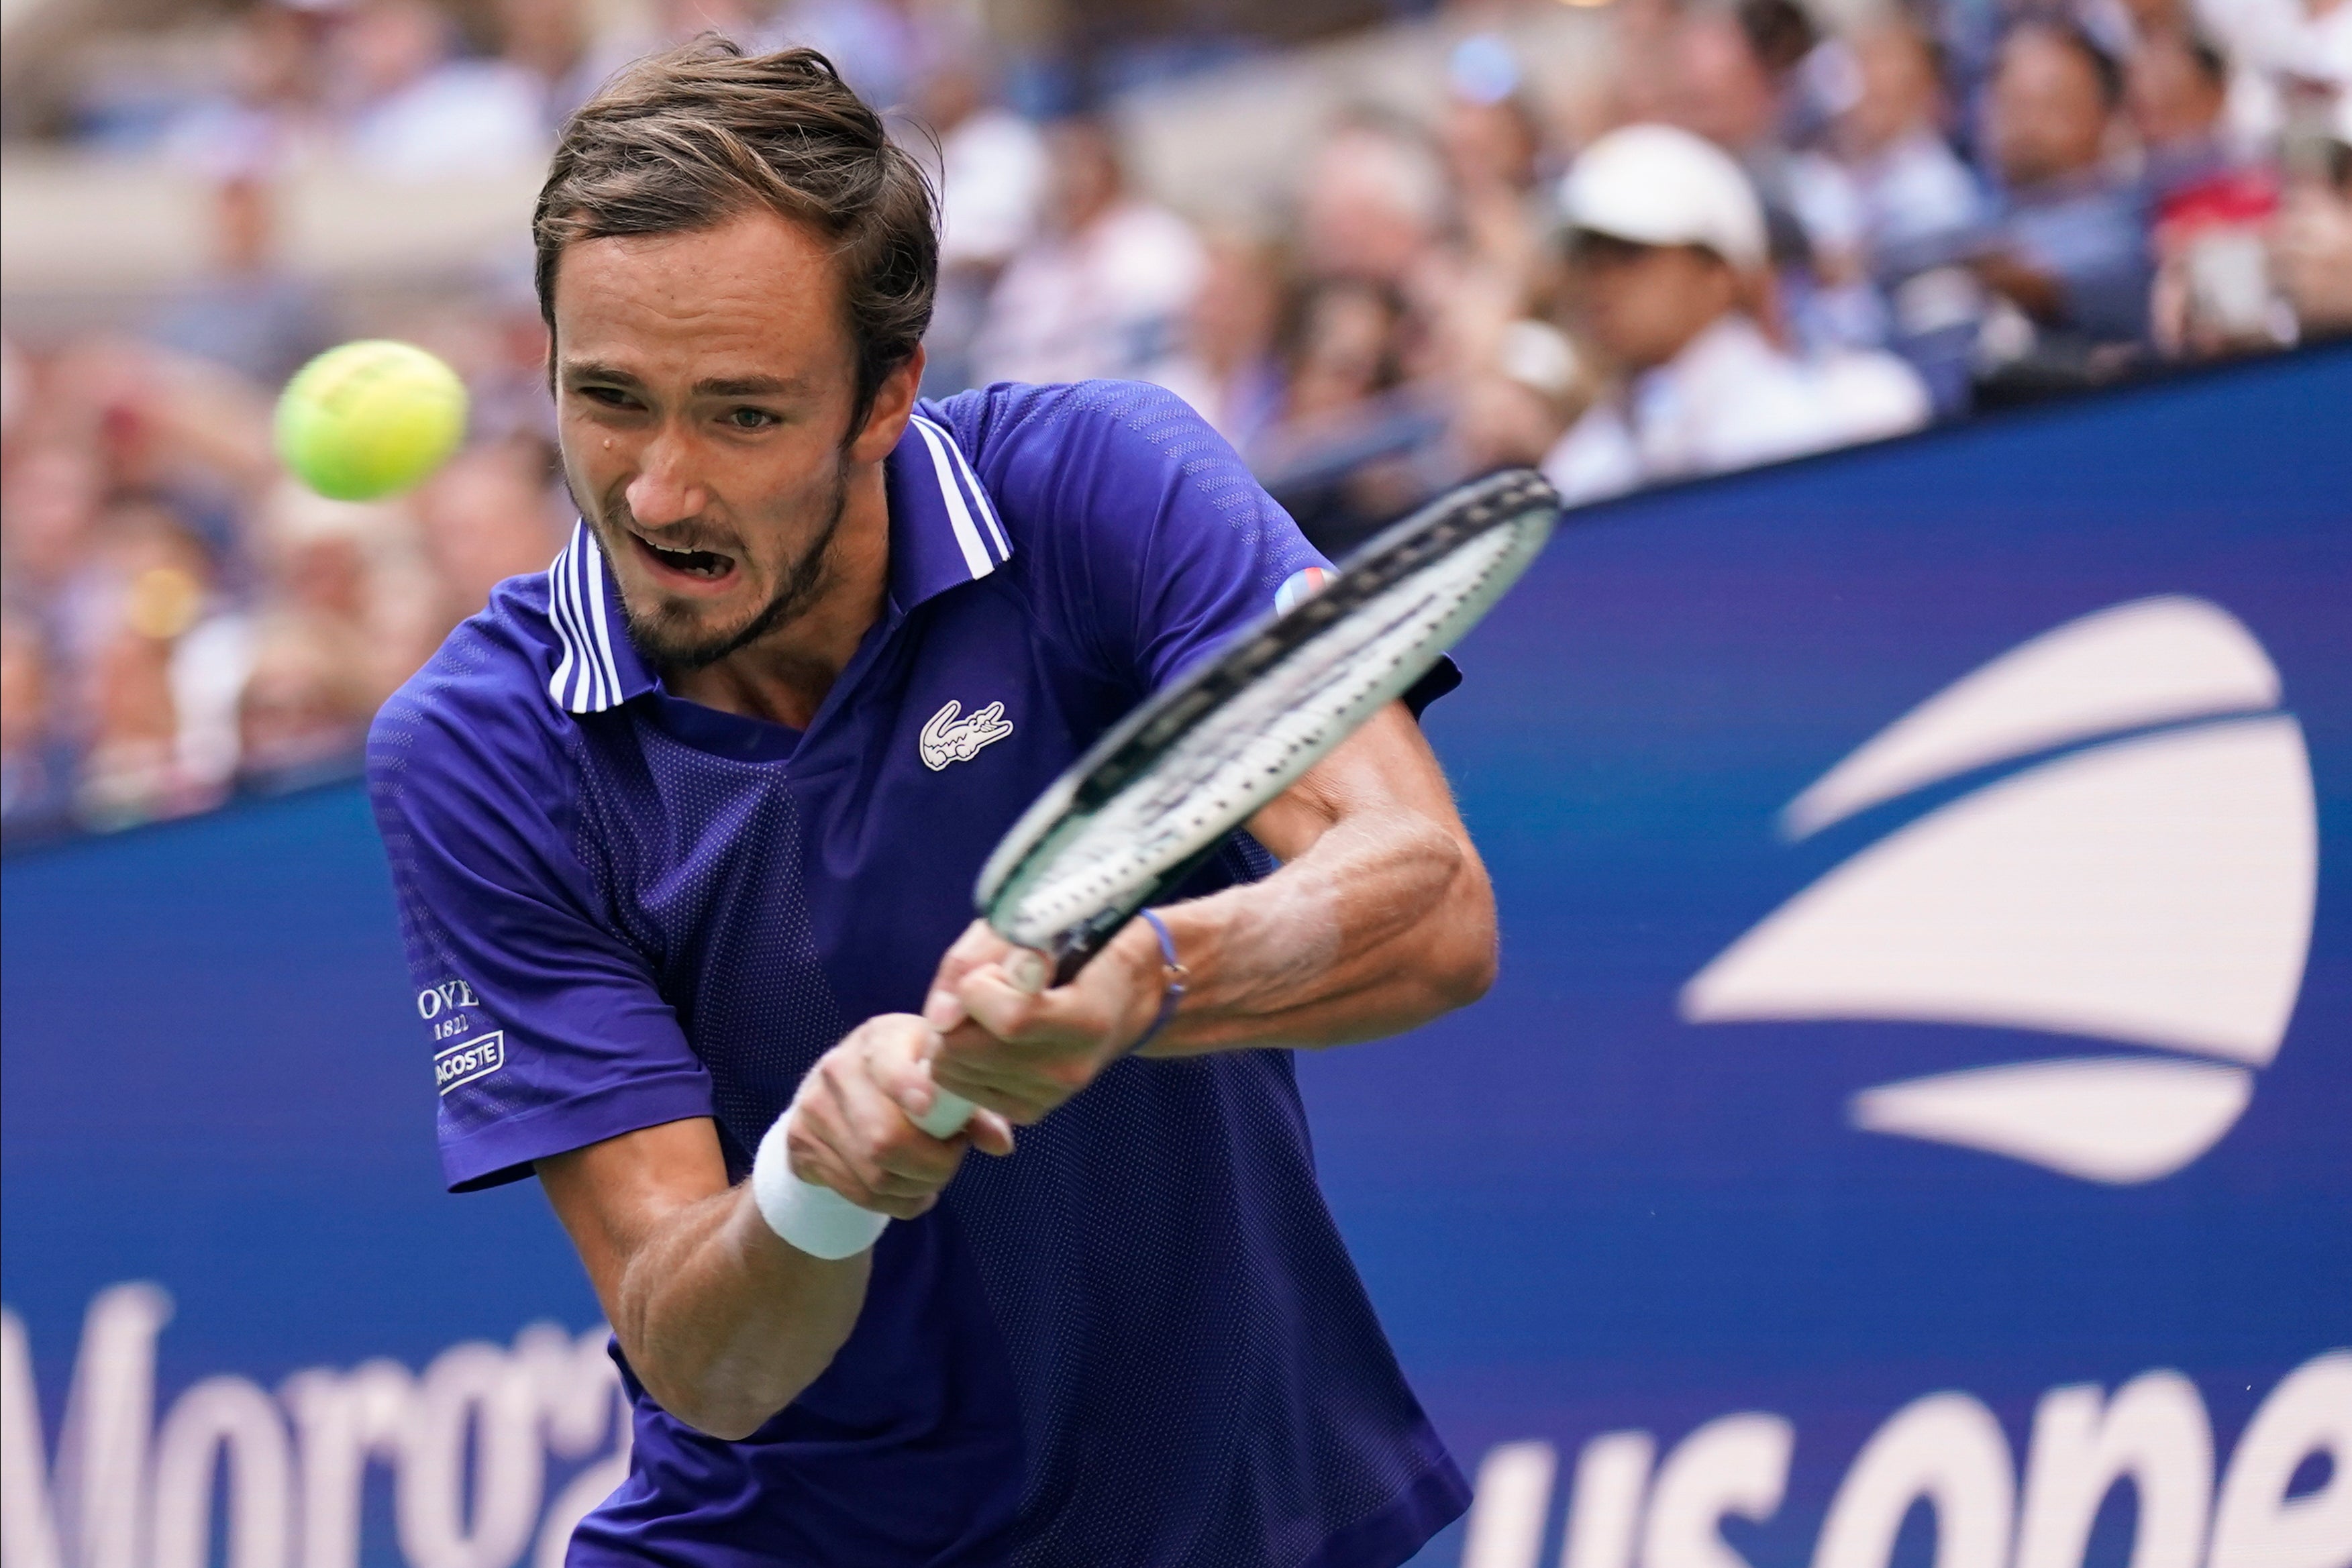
x=704 y=384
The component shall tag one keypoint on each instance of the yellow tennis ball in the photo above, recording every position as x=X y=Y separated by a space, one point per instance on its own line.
x=370 y=419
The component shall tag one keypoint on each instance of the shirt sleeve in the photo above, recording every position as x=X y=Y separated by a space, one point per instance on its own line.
x=546 y=1030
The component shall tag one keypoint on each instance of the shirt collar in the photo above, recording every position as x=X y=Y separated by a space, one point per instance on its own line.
x=943 y=528
x=598 y=666
x=943 y=532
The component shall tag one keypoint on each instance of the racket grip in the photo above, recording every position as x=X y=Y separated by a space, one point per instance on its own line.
x=946 y=1116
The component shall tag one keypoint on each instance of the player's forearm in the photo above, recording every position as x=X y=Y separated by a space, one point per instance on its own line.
x=723 y=1323
x=1385 y=921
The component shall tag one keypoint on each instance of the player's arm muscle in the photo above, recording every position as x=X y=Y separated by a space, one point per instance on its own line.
x=722 y=1321
x=1381 y=918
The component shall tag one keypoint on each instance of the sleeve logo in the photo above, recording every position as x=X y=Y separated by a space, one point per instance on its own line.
x=447 y=997
x=947 y=738
x=476 y=1057
x=1299 y=586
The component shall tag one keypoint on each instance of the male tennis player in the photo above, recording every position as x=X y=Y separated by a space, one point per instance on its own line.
x=681 y=832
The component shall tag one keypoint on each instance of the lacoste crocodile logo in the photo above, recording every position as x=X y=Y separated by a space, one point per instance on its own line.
x=947 y=738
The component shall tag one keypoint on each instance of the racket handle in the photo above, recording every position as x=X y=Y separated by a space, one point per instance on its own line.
x=819 y=1220
x=946 y=1116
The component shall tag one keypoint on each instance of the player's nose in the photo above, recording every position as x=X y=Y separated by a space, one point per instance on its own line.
x=666 y=488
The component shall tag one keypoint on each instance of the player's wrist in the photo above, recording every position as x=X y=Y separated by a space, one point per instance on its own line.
x=1161 y=979
x=813 y=1218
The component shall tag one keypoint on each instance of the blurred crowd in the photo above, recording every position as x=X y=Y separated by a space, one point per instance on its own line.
x=1758 y=232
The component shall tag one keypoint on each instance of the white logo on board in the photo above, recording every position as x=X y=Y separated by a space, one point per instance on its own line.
x=2154 y=889
x=947 y=738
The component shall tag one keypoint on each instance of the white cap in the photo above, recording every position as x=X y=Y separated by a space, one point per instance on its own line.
x=1657 y=184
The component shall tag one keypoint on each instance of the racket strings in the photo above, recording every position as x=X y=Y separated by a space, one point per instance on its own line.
x=1256 y=743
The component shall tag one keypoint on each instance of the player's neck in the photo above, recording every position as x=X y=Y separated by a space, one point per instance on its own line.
x=785 y=677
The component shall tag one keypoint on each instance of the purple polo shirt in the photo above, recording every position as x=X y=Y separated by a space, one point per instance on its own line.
x=1139 y=1340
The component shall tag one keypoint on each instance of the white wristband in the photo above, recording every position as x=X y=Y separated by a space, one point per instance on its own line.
x=816 y=1219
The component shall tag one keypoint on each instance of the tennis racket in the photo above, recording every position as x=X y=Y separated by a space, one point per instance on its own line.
x=1135 y=815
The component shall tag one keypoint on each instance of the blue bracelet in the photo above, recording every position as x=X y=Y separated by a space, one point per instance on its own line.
x=1171 y=981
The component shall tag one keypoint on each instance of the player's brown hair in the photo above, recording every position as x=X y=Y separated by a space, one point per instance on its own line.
x=703 y=132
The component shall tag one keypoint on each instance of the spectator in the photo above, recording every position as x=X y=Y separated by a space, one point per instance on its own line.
x=1230 y=372
x=1669 y=257
x=269 y=110
x=1104 y=289
x=2311 y=245
x=415 y=112
x=52 y=497
x=488 y=515
x=2175 y=87
x=877 y=44
x=550 y=42
x=304 y=711
x=1492 y=141
x=1919 y=204
x=2292 y=58
x=1373 y=203
x=2212 y=293
x=357 y=567
x=2071 y=256
x=1515 y=408
x=35 y=767
x=168 y=660
x=248 y=315
x=1732 y=66
x=1915 y=195
x=991 y=183
x=1737 y=89
x=1336 y=454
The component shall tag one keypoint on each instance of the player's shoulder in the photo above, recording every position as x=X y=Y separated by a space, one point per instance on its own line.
x=1079 y=455
x=478 y=709
x=1016 y=431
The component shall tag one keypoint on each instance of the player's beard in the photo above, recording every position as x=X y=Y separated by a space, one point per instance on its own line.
x=675 y=638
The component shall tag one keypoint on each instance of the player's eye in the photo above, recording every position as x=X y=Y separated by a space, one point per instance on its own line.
x=751 y=419
x=607 y=397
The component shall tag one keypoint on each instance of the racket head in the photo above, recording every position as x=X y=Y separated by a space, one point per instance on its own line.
x=1135 y=815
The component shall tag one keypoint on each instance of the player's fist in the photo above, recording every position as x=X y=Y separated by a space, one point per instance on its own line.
x=851 y=1124
x=1017 y=1046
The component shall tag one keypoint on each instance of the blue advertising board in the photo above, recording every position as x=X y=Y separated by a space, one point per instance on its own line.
x=1911 y=1126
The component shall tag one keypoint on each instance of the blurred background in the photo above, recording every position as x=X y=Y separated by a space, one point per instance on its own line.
x=1339 y=227
x=1933 y=1159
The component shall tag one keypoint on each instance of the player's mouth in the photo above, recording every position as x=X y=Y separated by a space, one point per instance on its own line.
x=702 y=568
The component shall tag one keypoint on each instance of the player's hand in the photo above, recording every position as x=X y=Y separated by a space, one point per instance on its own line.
x=848 y=1127
x=1011 y=1044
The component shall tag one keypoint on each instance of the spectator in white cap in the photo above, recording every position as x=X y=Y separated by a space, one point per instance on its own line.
x=1668 y=256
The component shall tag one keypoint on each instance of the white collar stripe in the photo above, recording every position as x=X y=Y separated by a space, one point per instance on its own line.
x=554 y=615
x=583 y=675
x=976 y=559
x=979 y=492
x=586 y=680
x=573 y=671
x=596 y=591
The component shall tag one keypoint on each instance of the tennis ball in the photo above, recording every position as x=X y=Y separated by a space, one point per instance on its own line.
x=370 y=419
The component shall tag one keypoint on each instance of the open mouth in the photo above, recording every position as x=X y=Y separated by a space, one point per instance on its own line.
x=704 y=566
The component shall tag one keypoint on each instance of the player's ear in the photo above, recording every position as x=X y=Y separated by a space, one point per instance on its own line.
x=893 y=406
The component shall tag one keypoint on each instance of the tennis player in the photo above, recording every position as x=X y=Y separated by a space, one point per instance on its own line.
x=684 y=833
